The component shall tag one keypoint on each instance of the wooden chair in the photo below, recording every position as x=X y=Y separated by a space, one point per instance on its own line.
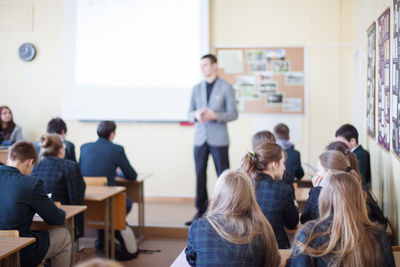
x=13 y=233
x=95 y=181
x=395 y=248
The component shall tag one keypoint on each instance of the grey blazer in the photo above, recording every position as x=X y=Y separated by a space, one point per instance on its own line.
x=222 y=101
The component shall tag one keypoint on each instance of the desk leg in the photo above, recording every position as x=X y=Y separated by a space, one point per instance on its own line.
x=70 y=228
x=112 y=228
x=106 y=227
x=141 y=211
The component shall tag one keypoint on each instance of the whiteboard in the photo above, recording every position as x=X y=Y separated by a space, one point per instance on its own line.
x=131 y=60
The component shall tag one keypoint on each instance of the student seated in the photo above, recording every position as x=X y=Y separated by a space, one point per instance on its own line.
x=338 y=157
x=58 y=126
x=343 y=235
x=21 y=196
x=262 y=137
x=9 y=131
x=266 y=165
x=234 y=232
x=348 y=134
x=62 y=178
x=268 y=137
x=101 y=158
x=293 y=162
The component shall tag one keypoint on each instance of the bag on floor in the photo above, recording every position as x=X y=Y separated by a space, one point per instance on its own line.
x=125 y=245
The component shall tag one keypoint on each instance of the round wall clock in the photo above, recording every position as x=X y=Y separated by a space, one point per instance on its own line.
x=27 y=52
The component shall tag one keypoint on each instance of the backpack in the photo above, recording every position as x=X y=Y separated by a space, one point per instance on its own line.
x=125 y=245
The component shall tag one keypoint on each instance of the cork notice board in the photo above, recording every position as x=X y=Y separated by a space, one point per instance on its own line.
x=265 y=79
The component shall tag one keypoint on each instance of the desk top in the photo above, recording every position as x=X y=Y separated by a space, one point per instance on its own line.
x=10 y=245
x=397 y=257
x=181 y=261
x=70 y=211
x=141 y=177
x=302 y=194
x=100 y=193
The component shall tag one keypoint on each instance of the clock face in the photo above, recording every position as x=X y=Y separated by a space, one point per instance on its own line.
x=27 y=52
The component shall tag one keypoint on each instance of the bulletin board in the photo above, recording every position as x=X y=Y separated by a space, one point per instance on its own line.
x=265 y=79
x=384 y=80
x=371 y=33
x=396 y=81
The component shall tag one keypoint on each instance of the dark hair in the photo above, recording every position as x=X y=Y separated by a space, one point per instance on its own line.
x=262 y=137
x=211 y=57
x=281 y=131
x=105 y=128
x=22 y=151
x=255 y=163
x=50 y=144
x=56 y=125
x=10 y=125
x=342 y=147
x=347 y=131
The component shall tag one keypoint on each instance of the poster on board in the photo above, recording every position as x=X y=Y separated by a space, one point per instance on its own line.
x=265 y=79
x=383 y=85
x=371 y=33
x=395 y=80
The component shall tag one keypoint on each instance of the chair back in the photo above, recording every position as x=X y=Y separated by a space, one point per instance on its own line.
x=12 y=233
x=95 y=181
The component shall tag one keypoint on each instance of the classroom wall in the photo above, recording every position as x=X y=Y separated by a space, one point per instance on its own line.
x=384 y=166
x=325 y=27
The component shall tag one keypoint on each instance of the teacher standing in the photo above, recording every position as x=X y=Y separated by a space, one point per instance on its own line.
x=212 y=105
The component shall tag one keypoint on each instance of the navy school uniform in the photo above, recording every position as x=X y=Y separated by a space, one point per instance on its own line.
x=22 y=196
x=311 y=210
x=276 y=200
x=207 y=248
x=364 y=164
x=62 y=178
x=299 y=259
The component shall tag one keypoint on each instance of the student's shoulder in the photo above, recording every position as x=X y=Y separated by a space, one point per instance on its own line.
x=69 y=143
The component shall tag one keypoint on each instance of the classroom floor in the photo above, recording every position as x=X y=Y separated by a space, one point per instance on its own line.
x=168 y=213
x=161 y=212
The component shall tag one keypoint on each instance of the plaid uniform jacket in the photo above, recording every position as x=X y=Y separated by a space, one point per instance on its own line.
x=311 y=211
x=207 y=248
x=62 y=178
x=276 y=200
x=299 y=259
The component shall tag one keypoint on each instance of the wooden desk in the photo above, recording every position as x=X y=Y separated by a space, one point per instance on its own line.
x=3 y=155
x=10 y=247
x=135 y=191
x=70 y=211
x=301 y=194
x=397 y=257
x=181 y=261
x=104 y=194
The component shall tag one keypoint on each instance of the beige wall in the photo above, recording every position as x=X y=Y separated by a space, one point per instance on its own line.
x=33 y=90
x=385 y=167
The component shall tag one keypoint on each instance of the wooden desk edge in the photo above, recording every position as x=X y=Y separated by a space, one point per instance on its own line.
x=30 y=240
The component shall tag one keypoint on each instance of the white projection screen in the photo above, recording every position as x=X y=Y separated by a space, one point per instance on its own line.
x=132 y=60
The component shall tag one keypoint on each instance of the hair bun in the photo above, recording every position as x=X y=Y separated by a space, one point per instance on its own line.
x=45 y=141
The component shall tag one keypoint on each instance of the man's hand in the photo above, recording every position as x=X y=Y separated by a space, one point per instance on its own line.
x=198 y=114
x=209 y=115
x=316 y=180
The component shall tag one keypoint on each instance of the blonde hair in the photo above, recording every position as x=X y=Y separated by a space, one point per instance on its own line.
x=351 y=237
x=236 y=216
x=50 y=144
x=335 y=160
x=97 y=262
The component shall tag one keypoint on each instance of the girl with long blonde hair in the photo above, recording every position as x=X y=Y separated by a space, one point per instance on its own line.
x=338 y=158
x=234 y=230
x=343 y=235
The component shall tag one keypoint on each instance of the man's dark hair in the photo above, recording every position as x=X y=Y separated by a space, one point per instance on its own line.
x=211 y=57
x=105 y=128
x=22 y=151
x=281 y=131
x=56 y=125
x=347 y=131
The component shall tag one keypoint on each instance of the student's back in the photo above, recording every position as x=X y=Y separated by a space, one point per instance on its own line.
x=101 y=158
x=21 y=197
x=234 y=231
